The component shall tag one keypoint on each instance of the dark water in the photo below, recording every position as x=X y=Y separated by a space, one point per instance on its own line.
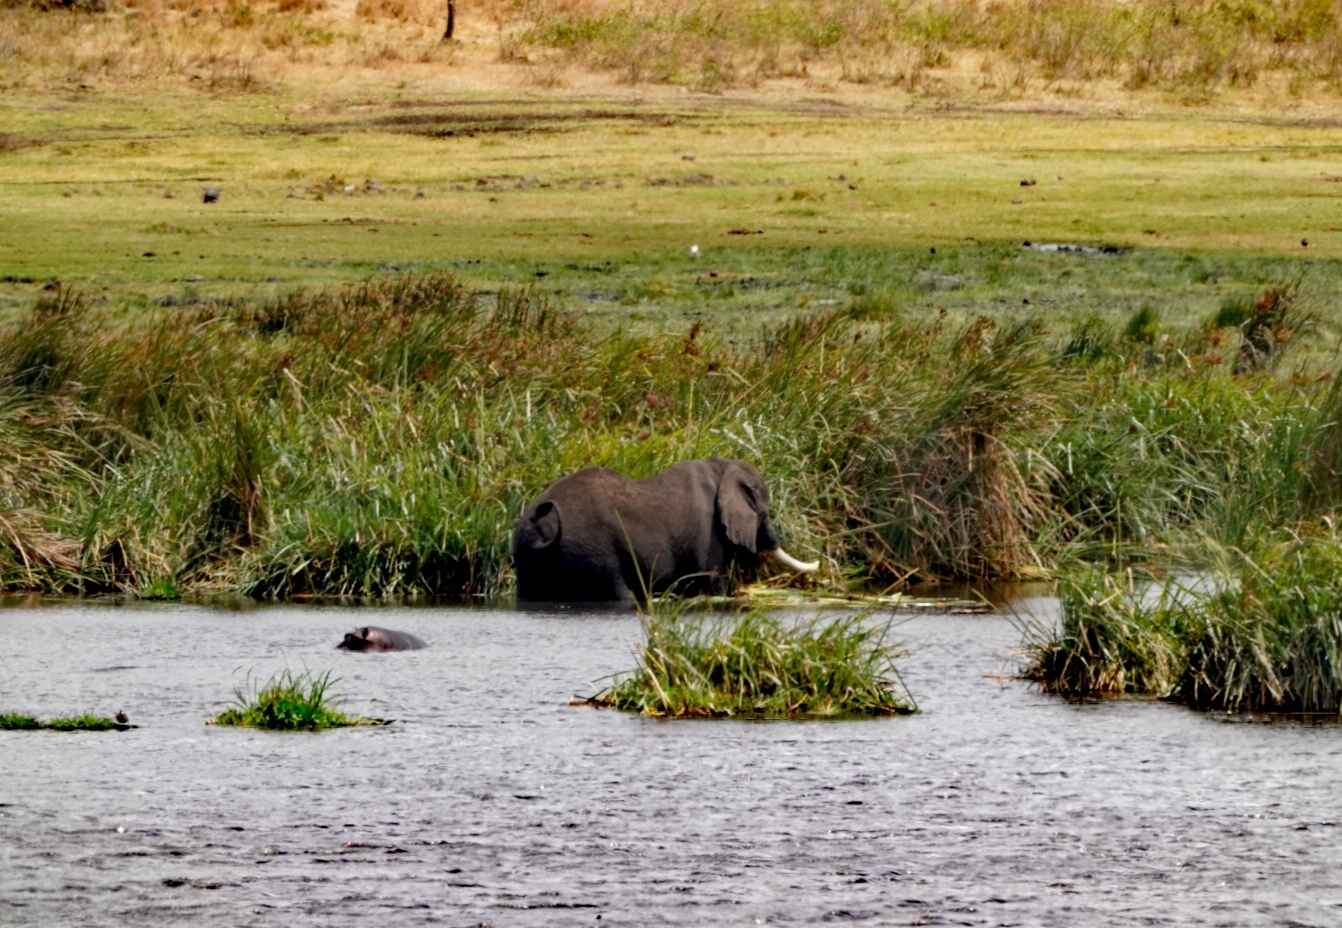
x=491 y=801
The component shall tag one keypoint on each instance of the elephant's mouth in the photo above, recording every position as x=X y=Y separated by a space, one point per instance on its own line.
x=790 y=562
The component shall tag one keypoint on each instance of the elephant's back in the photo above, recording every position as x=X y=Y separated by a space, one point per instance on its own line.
x=582 y=484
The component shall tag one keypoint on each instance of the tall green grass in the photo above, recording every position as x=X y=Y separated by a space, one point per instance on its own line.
x=755 y=666
x=1262 y=631
x=381 y=438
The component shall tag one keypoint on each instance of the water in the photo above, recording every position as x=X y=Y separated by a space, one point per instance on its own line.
x=491 y=801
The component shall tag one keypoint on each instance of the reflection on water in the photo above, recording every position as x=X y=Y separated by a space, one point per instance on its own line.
x=491 y=801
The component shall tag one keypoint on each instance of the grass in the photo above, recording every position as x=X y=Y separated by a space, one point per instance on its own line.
x=289 y=702
x=713 y=46
x=1262 y=634
x=288 y=446
x=754 y=666
x=13 y=722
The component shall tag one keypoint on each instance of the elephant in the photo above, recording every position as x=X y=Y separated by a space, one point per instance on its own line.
x=597 y=536
x=371 y=638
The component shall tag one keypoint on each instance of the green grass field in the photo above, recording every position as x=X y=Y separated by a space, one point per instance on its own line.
x=594 y=198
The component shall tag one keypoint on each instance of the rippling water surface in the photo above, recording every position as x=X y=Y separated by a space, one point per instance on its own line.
x=491 y=801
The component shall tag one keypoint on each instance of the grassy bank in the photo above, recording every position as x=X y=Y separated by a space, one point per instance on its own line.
x=1262 y=632
x=381 y=438
x=754 y=666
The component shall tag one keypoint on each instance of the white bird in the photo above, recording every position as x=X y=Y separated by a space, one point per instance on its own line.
x=694 y=251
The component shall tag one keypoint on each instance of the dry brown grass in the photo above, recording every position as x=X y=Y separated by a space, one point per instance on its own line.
x=1245 y=53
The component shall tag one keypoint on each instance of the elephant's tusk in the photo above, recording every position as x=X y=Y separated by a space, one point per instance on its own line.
x=787 y=560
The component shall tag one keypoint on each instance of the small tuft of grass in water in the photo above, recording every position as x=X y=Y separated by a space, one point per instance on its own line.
x=754 y=666
x=13 y=722
x=163 y=588
x=289 y=702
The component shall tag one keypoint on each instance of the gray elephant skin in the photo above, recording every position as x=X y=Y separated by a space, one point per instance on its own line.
x=696 y=528
x=371 y=638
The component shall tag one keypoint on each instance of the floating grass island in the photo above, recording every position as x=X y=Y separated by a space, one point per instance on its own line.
x=754 y=666
x=1261 y=632
x=15 y=722
x=290 y=702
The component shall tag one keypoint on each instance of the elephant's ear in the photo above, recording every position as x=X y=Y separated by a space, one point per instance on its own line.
x=545 y=524
x=741 y=499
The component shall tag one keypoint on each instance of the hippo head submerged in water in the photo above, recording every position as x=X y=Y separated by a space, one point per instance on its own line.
x=370 y=638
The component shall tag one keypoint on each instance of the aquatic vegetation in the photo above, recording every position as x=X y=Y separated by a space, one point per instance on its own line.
x=756 y=666
x=11 y=722
x=1271 y=639
x=289 y=702
x=1113 y=640
x=287 y=447
x=1263 y=632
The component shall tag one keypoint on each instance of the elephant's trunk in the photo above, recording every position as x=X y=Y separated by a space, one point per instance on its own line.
x=790 y=562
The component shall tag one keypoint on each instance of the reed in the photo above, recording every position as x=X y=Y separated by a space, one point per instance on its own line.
x=289 y=702
x=1261 y=633
x=380 y=438
x=755 y=666
x=1114 y=640
x=1271 y=639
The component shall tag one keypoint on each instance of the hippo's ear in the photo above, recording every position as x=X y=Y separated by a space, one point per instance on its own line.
x=545 y=525
x=742 y=500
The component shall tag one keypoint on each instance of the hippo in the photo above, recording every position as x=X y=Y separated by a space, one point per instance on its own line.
x=370 y=638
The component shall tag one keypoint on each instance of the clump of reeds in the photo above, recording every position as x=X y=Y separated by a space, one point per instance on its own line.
x=1114 y=639
x=1272 y=639
x=86 y=722
x=1263 y=632
x=755 y=666
x=289 y=702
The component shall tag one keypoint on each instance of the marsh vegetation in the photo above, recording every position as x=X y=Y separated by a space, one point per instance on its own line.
x=289 y=447
x=1260 y=631
x=86 y=722
x=756 y=665
x=289 y=701
x=292 y=448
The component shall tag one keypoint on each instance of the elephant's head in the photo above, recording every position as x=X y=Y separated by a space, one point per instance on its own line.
x=743 y=512
x=540 y=525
